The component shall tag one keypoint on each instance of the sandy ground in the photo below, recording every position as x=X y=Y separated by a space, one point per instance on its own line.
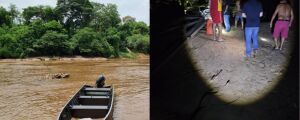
x=238 y=81
x=181 y=72
x=228 y=72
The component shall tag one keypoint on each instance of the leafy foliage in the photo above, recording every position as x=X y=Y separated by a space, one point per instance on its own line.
x=139 y=42
x=88 y=43
x=73 y=27
x=5 y=18
x=74 y=14
x=14 y=13
x=104 y=17
x=45 y=13
x=128 y=19
x=53 y=44
x=113 y=39
x=8 y=46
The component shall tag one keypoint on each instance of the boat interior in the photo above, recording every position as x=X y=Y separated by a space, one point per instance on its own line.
x=89 y=103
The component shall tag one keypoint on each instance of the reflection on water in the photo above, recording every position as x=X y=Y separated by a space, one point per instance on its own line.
x=27 y=93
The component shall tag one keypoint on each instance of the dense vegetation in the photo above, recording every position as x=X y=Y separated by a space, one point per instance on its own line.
x=73 y=27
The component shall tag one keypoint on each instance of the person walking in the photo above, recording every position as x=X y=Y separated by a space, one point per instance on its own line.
x=285 y=19
x=252 y=11
x=238 y=14
x=216 y=15
x=226 y=14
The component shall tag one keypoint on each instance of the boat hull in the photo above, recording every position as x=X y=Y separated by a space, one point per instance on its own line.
x=89 y=102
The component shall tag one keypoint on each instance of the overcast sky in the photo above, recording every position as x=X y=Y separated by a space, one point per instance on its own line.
x=136 y=8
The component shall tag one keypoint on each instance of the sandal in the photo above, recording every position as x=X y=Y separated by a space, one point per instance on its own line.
x=214 y=39
x=220 y=40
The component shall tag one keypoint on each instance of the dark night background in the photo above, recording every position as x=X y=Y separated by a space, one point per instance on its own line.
x=176 y=93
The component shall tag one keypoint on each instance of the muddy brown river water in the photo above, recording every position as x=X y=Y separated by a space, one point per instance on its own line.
x=28 y=93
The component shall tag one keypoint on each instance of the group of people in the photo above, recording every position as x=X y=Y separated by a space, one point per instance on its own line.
x=252 y=11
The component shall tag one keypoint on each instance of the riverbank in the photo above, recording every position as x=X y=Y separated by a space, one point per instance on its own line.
x=76 y=58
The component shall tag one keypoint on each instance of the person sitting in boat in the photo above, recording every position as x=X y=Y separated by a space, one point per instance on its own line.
x=100 y=82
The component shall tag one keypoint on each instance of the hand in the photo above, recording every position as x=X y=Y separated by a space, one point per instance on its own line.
x=270 y=25
x=244 y=15
x=260 y=14
x=290 y=25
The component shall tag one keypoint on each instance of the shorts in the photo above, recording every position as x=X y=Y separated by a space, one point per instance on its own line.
x=216 y=17
x=237 y=18
x=281 y=27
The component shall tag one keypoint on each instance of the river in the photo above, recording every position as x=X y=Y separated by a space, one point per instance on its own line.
x=28 y=93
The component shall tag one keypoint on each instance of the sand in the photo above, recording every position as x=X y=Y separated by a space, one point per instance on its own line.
x=238 y=79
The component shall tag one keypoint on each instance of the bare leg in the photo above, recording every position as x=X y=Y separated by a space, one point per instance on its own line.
x=282 y=41
x=235 y=23
x=214 y=31
x=242 y=24
x=220 y=32
x=276 y=44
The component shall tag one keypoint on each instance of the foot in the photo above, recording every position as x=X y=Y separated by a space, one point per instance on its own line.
x=247 y=58
x=254 y=53
x=220 y=40
x=280 y=48
x=276 y=48
x=214 y=39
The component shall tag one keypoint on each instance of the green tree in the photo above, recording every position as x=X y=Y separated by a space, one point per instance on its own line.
x=14 y=13
x=139 y=43
x=45 y=13
x=125 y=30
x=74 y=14
x=128 y=19
x=73 y=27
x=54 y=26
x=130 y=28
x=8 y=46
x=104 y=17
x=5 y=18
x=40 y=27
x=32 y=13
x=53 y=43
x=25 y=39
x=29 y=35
x=87 y=42
x=49 y=14
x=141 y=28
x=114 y=40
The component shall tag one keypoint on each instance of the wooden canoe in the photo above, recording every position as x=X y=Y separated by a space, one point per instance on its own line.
x=89 y=102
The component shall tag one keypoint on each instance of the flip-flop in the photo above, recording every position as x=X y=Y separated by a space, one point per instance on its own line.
x=274 y=48
x=221 y=40
x=246 y=58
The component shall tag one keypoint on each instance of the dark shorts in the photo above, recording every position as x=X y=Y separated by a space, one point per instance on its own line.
x=238 y=17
